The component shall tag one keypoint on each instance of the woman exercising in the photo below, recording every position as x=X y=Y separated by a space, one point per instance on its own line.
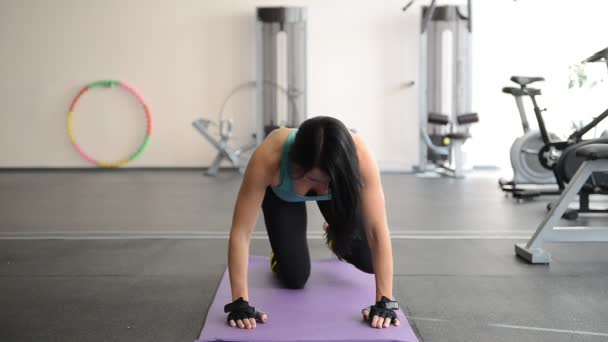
x=321 y=161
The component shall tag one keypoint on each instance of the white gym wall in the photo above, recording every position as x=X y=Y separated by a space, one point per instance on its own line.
x=185 y=56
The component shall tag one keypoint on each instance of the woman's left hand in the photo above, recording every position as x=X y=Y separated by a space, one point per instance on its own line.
x=383 y=314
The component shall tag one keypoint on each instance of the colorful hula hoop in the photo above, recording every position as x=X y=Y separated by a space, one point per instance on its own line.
x=142 y=147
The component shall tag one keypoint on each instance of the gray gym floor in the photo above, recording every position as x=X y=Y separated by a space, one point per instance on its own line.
x=456 y=275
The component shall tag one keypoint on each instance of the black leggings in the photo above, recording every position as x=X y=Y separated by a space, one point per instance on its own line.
x=286 y=226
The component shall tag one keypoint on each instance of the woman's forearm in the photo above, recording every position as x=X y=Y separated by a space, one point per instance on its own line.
x=238 y=260
x=382 y=258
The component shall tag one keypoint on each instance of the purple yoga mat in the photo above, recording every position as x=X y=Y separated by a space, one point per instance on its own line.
x=327 y=309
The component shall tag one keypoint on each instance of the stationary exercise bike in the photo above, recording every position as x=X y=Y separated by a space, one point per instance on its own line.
x=559 y=157
x=528 y=171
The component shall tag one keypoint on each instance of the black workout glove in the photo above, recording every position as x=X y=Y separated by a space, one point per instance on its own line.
x=240 y=309
x=384 y=308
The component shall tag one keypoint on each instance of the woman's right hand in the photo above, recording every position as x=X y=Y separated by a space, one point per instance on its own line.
x=243 y=315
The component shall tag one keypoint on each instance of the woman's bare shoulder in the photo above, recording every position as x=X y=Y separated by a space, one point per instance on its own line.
x=366 y=158
x=274 y=142
x=269 y=152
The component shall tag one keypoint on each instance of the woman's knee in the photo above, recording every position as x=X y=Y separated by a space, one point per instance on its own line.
x=294 y=278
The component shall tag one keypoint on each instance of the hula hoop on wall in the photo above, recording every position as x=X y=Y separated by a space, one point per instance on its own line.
x=142 y=147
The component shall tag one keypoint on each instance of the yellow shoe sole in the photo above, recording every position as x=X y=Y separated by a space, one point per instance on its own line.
x=273 y=262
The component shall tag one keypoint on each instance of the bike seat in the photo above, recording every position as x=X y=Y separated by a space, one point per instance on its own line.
x=525 y=80
x=594 y=151
x=599 y=56
x=521 y=92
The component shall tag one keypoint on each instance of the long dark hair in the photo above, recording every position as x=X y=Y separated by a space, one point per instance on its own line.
x=326 y=143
